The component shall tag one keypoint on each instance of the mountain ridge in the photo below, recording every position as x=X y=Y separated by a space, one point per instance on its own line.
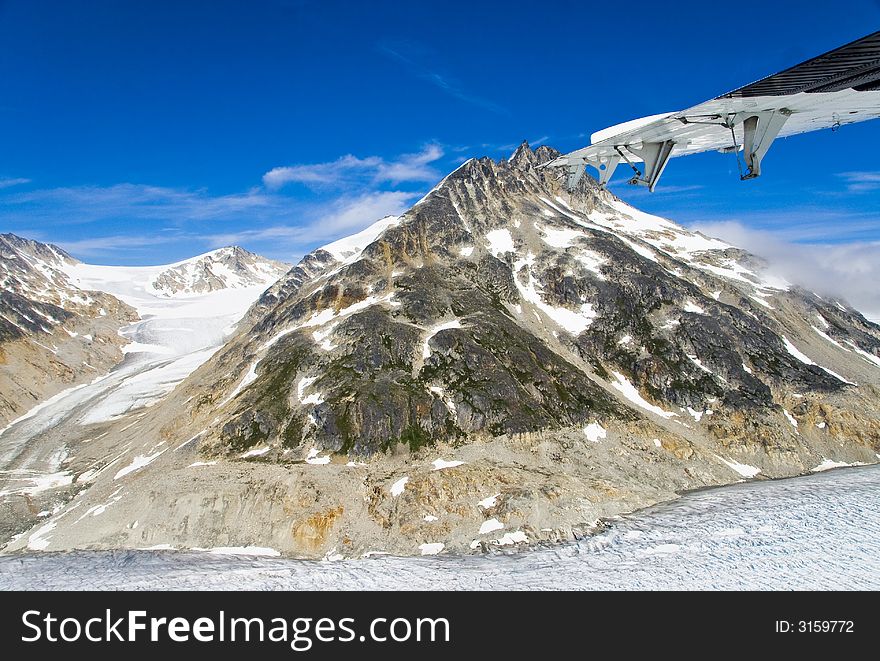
x=510 y=290
x=504 y=363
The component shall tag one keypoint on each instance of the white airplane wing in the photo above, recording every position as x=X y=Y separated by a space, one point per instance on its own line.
x=828 y=91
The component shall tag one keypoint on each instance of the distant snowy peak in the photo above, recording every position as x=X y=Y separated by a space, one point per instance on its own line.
x=33 y=269
x=226 y=268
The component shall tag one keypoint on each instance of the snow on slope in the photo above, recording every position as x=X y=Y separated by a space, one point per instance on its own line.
x=179 y=329
x=37 y=289
x=349 y=248
x=639 y=230
x=685 y=245
x=226 y=268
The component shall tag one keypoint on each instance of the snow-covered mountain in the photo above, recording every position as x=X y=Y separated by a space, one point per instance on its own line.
x=503 y=363
x=37 y=292
x=501 y=305
x=63 y=322
x=52 y=332
x=226 y=268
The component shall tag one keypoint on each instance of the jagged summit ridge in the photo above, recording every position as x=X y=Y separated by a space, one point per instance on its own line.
x=524 y=156
x=37 y=292
x=13 y=246
x=500 y=304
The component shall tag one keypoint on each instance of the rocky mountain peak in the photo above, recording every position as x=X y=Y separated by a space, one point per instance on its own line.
x=52 y=332
x=504 y=362
x=500 y=304
x=33 y=273
x=524 y=156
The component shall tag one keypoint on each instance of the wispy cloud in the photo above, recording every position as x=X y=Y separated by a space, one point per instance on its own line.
x=342 y=216
x=441 y=81
x=861 y=182
x=847 y=270
x=16 y=181
x=85 y=204
x=795 y=224
x=127 y=221
x=286 y=228
x=116 y=243
x=332 y=172
x=411 y=167
x=370 y=170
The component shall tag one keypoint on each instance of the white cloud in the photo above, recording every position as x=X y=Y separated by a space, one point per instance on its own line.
x=84 y=204
x=348 y=168
x=341 y=217
x=16 y=181
x=861 y=182
x=320 y=173
x=411 y=167
x=850 y=270
x=796 y=224
x=113 y=244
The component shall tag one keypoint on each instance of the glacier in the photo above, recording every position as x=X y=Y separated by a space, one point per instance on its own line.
x=821 y=532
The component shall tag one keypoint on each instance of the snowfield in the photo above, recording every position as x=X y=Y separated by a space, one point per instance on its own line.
x=815 y=532
x=174 y=336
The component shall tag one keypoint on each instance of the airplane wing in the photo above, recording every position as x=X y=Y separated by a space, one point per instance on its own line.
x=828 y=91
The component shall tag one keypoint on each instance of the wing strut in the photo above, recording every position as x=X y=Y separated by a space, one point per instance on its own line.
x=759 y=132
x=573 y=174
x=656 y=156
x=606 y=170
x=605 y=166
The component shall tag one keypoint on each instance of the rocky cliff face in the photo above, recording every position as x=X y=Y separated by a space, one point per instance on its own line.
x=503 y=363
x=52 y=333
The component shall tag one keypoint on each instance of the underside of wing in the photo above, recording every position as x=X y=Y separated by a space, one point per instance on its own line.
x=831 y=90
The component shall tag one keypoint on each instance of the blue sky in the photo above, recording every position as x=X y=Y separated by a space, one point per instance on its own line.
x=146 y=132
